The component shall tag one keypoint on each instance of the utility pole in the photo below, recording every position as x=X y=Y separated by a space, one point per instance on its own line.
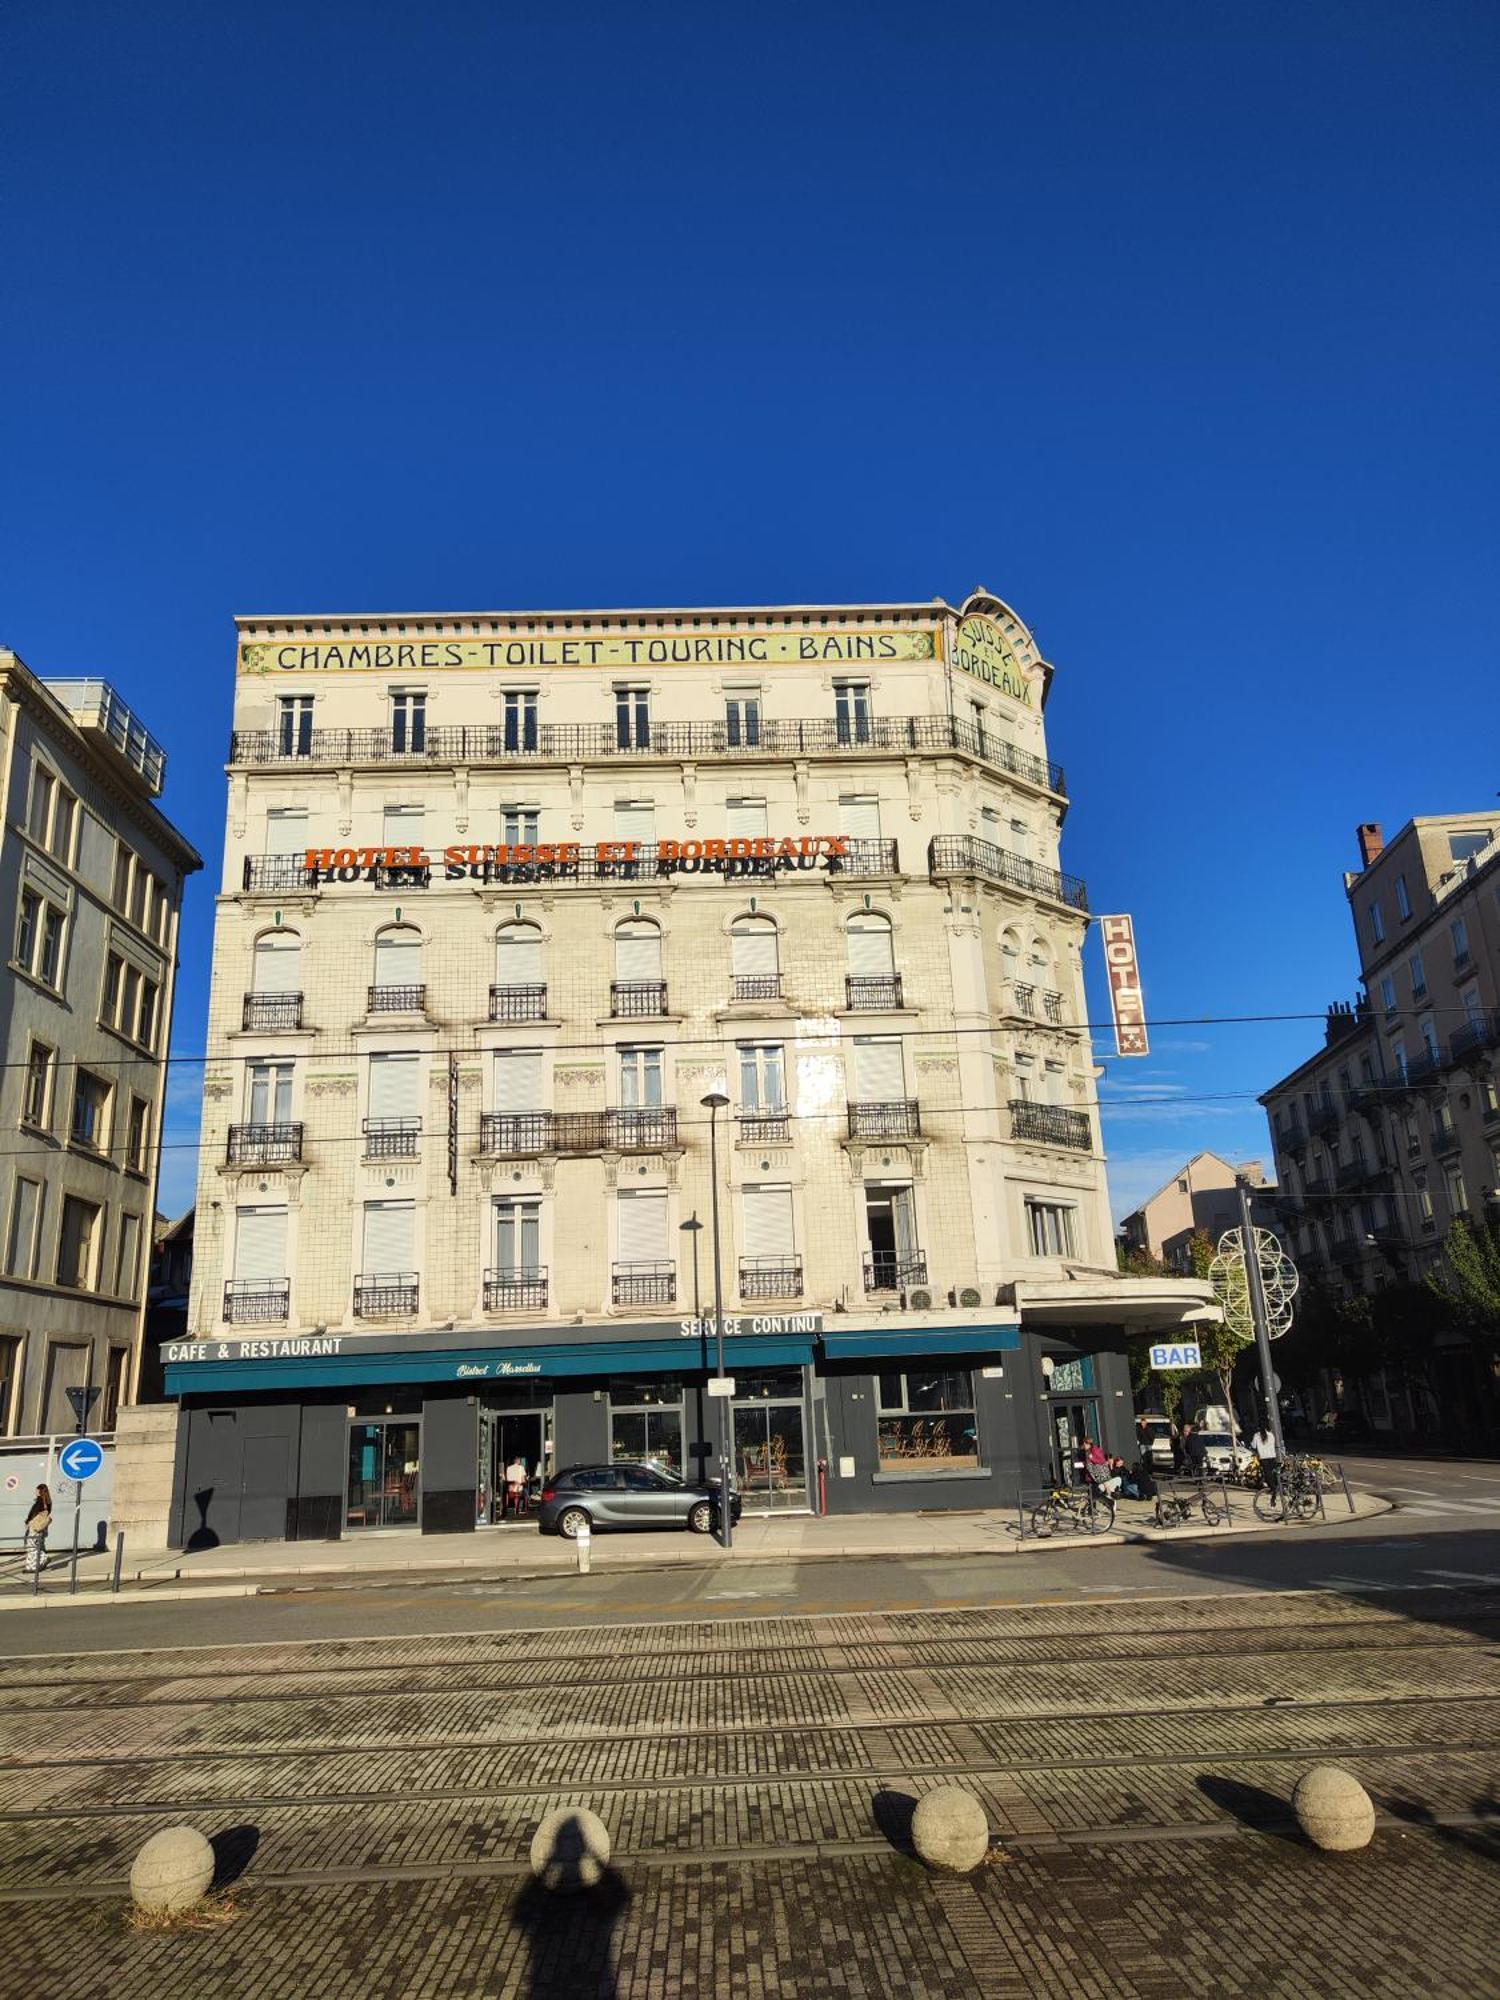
x=1258 y=1315
x=713 y=1104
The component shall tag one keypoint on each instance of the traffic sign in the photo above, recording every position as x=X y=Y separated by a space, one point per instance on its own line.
x=83 y=1400
x=1177 y=1354
x=80 y=1459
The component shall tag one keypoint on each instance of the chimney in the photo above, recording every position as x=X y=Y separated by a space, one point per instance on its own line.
x=1371 y=842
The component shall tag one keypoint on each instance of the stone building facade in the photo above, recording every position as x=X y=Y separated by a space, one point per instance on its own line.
x=1202 y=1195
x=91 y=881
x=505 y=899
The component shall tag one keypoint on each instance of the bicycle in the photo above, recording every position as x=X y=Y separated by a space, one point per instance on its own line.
x=1074 y=1509
x=1173 y=1511
x=1296 y=1495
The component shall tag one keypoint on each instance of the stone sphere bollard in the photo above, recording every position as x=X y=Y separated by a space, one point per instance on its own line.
x=1333 y=1809
x=949 y=1830
x=173 y=1871
x=570 y=1850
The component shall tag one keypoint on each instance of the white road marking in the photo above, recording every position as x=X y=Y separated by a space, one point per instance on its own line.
x=1351 y=1583
x=1422 y=1492
x=1464 y=1575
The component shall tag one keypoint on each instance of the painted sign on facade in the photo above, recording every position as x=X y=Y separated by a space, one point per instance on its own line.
x=1177 y=1354
x=625 y=860
x=630 y=651
x=1126 y=1000
x=981 y=652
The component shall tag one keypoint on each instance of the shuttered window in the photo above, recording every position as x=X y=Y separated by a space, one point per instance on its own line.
x=753 y=947
x=768 y=1222
x=395 y=1086
x=278 y=964
x=871 y=955
x=745 y=819
x=859 y=817
x=518 y=1080
x=286 y=831
x=260 y=1244
x=879 y=1077
x=637 y=951
x=398 y=959
x=390 y=1237
x=643 y=1228
x=404 y=826
x=518 y=956
x=635 y=819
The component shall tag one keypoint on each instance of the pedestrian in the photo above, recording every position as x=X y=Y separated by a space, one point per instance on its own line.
x=1193 y=1449
x=38 y=1521
x=1180 y=1440
x=1263 y=1444
x=1124 y=1478
x=515 y=1484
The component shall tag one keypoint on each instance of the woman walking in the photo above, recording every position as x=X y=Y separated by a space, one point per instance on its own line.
x=38 y=1521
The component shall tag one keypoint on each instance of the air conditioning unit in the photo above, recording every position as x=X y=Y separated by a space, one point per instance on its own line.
x=920 y=1300
x=969 y=1296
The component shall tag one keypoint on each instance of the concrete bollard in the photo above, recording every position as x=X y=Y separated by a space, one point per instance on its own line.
x=172 y=1871
x=584 y=1543
x=950 y=1831
x=570 y=1850
x=1333 y=1809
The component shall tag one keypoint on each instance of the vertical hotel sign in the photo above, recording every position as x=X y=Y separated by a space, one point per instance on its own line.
x=1127 y=1003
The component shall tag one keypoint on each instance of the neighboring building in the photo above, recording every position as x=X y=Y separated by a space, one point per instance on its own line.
x=1203 y=1194
x=167 y=1289
x=505 y=898
x=1390 y=1133
x=91 y=880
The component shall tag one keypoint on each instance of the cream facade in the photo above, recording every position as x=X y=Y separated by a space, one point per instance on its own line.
x=91 y=882
x=504 y=899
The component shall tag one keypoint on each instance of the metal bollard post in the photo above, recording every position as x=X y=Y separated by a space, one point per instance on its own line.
x=1020 y=1512
x=119 y=1562
x=585 y=1546
x=1224 y=1496
x=1344 y=1481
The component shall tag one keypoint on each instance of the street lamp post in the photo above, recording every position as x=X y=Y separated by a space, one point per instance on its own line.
x=713 y=1104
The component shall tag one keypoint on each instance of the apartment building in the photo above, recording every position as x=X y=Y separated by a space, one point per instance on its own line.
x=529 y=921
x=1203 y=1194
x=1390 y=1133
x=91 y=881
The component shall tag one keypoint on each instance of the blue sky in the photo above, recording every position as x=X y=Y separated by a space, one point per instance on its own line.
x=1175 y=325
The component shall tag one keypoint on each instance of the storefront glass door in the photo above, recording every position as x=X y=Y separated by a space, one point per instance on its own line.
x=385 y=1469
x=1075 y=1426
x=770 y=1457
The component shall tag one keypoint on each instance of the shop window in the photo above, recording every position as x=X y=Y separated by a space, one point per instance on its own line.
x=1071 y=1378
x=926 y=1422
x=645 y=1422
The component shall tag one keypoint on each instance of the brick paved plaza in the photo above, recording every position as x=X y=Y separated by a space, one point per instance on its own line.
x=374 y=1800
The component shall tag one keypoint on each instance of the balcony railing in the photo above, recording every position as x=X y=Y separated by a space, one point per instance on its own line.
x=1036 y=1003
x=515 y=1291
x=385 y=1295
x=397 y=1000
x=570 y=743
x=1480 y=1032
x=392 y=1138
x=764 y=1128
x=622 y=1130
x=95 y=705
x=1051 y=1125
x=633 y=999
x=1294 y=1138
x=272 y=1012
x=1425 y=1068
x=770 y=1277
x=757 y=985
x=1322 y=1119
x=1351 y=1173
x=886 y=1272
x=900 y=1118
x=264 y=1145
x=518 y=1003
x=961 y=854
x=257 y=1301
x=644 y=1284
x=872 y=992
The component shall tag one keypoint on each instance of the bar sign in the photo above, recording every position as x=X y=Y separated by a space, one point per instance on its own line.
x=1126 y=1000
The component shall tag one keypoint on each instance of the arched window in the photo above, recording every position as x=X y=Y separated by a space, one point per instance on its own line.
x=398 y=971
x=872 y=979
x=278 y=963
x=755 y=958
x=638 y=984
x=520 y=989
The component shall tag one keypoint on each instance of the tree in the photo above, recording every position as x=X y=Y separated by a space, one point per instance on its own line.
x=1467 y=1283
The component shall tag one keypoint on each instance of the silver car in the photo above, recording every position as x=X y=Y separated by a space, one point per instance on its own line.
x=628 y=1495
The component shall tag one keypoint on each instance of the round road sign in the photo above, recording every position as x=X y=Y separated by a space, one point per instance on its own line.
x=80 y=1459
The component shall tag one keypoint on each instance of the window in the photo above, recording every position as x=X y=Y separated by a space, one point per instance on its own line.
x=871 y=948
x=128 y=1258
x=520 y=1082
x=1418 y=973
x=520 y=719
x=1019 y=836
x=161 y=915
x=762 y=1078
x=1458 y=930
x=67 y=1368
x=742 y=717
x=130 y=1001
x=286 y=830
x=1473 y=1009
x=140 y=881
x=277 y=964
x=398 y=958
x=859 y=816
x=1403 y=896
x=755 y=958
x=294 y=725
x=1458 y=1194
x=260 y=1245
x=1053 y=1226
x=403 y=826
x=640 y=1079
x=1424 y=1208
x=518 y=955
x=632 y=718
x=269 y=1093
x=390 y=1238
x=23 y=1237
x=519 y=824
x=114 y=974
x=518 y=1239
x=90 y=1126
x=644 y=1271
x=36 y=1099
x=1428 y=1028
x=879 y=1073
x=637 y=951
x=78 y=1244
x=39 y=938
x=766 y=1215
x=1388 y=994
x=1397 y=1056
x=645 y=1422
x=137 y=1135
x=120 y=893
x=745 y=819
x=851 y=711
x=10 y=1383
x=115 y=1365
x=39 y=819
x=926 y=1422
x=64 y=824
x=1377 y=923
x=892 y=1257
x=408 y=720
x=635 y=819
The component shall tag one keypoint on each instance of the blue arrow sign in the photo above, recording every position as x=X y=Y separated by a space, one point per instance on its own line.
x=80 y=1459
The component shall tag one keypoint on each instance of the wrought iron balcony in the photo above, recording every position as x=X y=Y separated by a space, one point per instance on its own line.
x=397 y=1000
x=1478 y=1033
x=1425 y=1069
x=901 y=1118
x=770 y=1277
x=872 y=992
x=386 y=1295
x=636 y=999
x=257 y=1301
x=264 y=1145
x=757 y=985
x=867 y=857
x=644 y=1284
x=516 y=1133
x=392 y=1138
x=1294 y=1138
x=272 y=1012
x=278 y=872
x=509 y=1134
x=961 y=854
x=1051 y=1125
x=886 y=1272
x=516 y=1291
x=1052 y=1007
x=1351 y=1173
x=1322 y=1119
x=764 y=1128
x=518 y=1003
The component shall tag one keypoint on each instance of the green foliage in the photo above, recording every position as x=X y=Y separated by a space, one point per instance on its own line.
x=1466 y=1287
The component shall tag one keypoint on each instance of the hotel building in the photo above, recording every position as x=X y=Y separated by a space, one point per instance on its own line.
x=505 y=899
